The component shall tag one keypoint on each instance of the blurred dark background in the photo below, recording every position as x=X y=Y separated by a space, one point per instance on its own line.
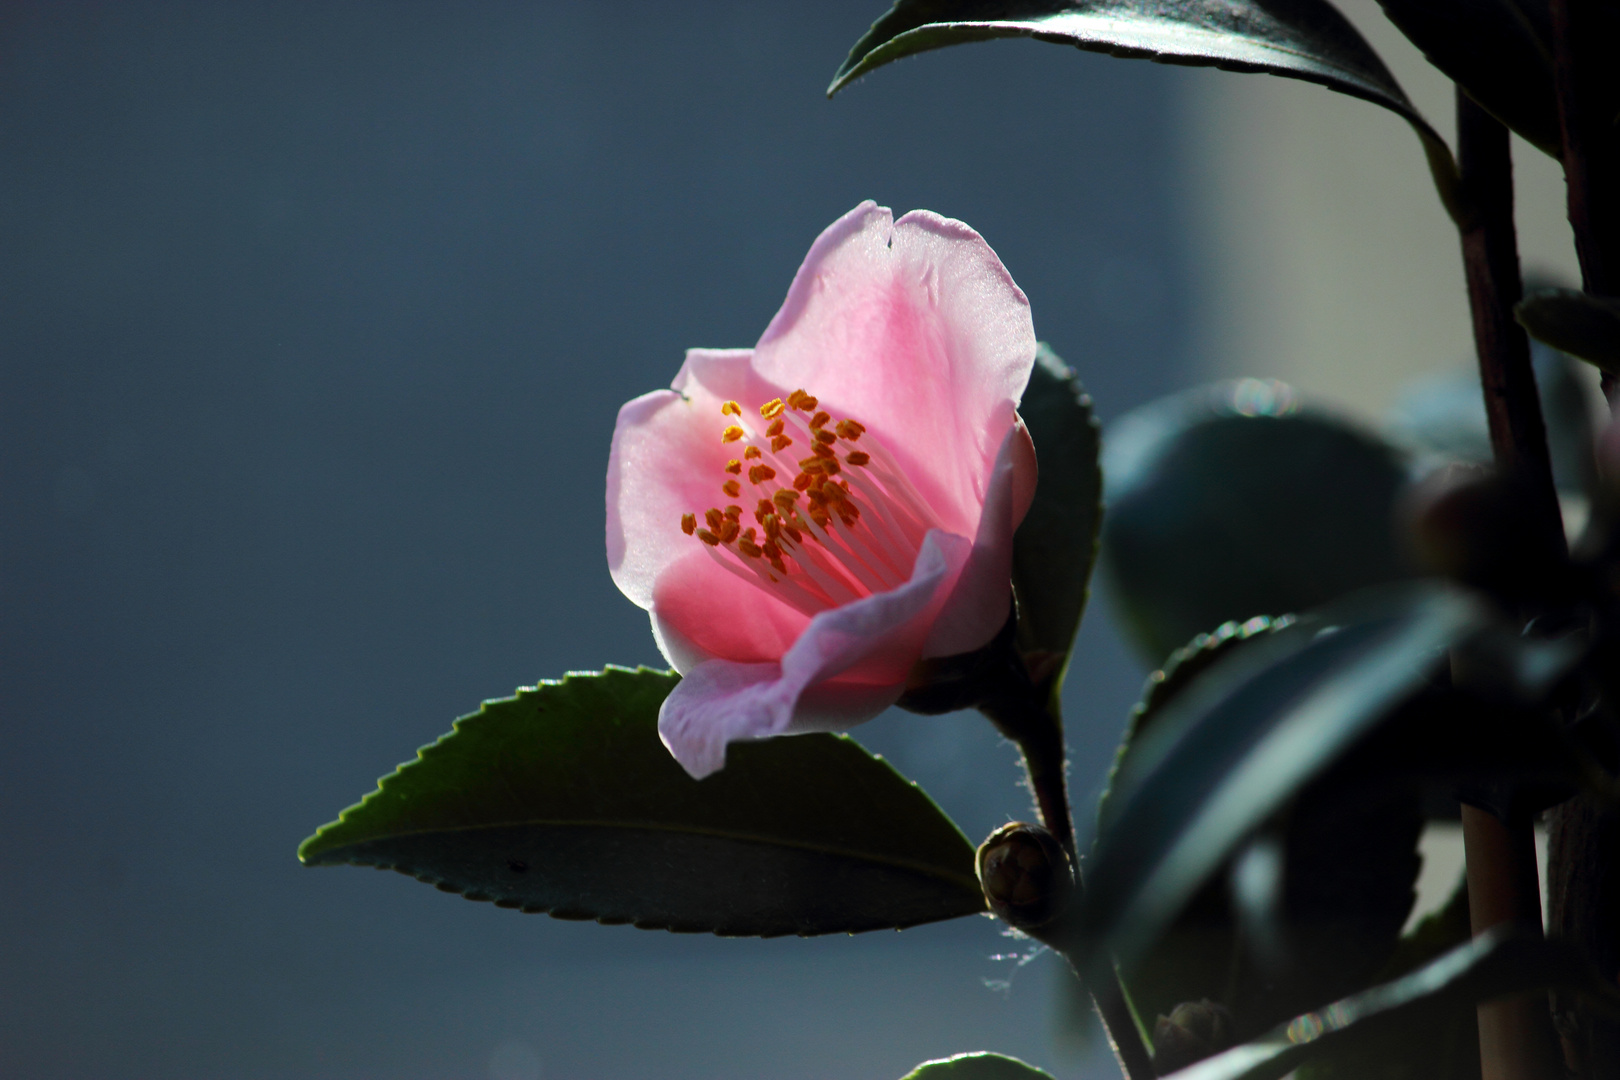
x=314 y=319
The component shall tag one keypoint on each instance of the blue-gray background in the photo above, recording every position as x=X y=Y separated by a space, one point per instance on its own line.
x=314 y=319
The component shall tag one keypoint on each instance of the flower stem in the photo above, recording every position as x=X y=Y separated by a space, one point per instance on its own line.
x=1516 y=1037
x=1591 y=152
x=1491 y=261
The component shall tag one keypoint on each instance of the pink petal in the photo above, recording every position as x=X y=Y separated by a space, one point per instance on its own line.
x=915 y=329
x=979 y=604
x=848 y=665
x=667 y=460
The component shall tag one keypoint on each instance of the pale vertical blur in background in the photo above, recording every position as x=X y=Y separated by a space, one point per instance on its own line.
x=1324 y=257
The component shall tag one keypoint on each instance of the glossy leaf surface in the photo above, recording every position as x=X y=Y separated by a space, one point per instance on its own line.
x=1343 y=887
x=1584 y=326
x=1298 y=39
x=1244 y=738
x=562 y=800
x=1499 y=51
x=1231 y=501
x=1495 y=964
x=980 y=1066
x=1056 y=546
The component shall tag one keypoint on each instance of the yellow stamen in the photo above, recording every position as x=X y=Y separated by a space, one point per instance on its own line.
x=732 y=434
x=688 y=524
x=731 y=408
x=752 y=452
x=734 y=467
x=772 y=409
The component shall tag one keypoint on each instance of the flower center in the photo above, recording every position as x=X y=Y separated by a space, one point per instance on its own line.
x=830 y=527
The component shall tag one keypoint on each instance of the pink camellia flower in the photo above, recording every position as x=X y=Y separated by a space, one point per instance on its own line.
x=806 y=520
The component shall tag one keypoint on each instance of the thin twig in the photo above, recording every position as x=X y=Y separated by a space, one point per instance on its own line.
x=1516 y=1038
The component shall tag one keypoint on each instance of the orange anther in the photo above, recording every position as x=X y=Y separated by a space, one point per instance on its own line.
x=708 y=537
x=820 y=419
x=734 y=467
x=802 y=481
x=713 y=517
x=764 y=509
x=760 y=473
x=733 y=511
x=831 y=466
x=729 y=530
x=858 y=457
x=688 y=524
x=806 y=402
x=749 y=548
x=823 y=451
x=825 y=436
x=731 y=408
x=772 y=409
x=732 y=488
x=776 y=427
x=752 y=452
x=850 y=429
x=732 y=434
x=780 y=443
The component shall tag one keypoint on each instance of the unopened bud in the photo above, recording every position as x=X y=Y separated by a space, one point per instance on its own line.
x=1025 y=874
x=1192 y=1032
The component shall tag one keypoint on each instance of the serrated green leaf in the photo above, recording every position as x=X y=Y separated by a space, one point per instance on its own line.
x=980 y=1066
x=1247 y=735
x=1056 y=546
x=1230 y=501
x=562 y=800
x=1499 y=51
x=1496 y=964
x=1297 y=39
x=1574 y=322
x=1349 y=861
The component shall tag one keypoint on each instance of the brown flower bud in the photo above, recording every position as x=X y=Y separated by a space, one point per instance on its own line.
x=1025 y=874
x=1192 y=1032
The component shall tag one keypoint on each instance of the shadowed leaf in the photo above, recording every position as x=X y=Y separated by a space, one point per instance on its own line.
x=1499 y=51
x=1231 y=500
x=1055 y=547
x=1584 y=326
x=1244 y=737
x=562 y=800
x=1298 y=39
x=1495 y=964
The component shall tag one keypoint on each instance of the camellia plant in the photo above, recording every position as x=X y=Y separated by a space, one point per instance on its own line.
x=895 y=498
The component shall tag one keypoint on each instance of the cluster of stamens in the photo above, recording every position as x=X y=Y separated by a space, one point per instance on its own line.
x=847 y=524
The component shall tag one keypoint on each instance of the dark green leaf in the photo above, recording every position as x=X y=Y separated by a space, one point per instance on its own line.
x=979 y=1066
x=1232 y=749
x=1056 y=545
x=1581 y=325
x=1299 y=39
x=1348 y=863
x=1495 y=964
x=1499 y=51
x=563 y=800
x=1230 y=501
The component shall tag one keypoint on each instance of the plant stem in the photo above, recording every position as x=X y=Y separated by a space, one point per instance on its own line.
x=1031 y=719
x=1591 y=154
x=1491 y=262
x=1516 y=1037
